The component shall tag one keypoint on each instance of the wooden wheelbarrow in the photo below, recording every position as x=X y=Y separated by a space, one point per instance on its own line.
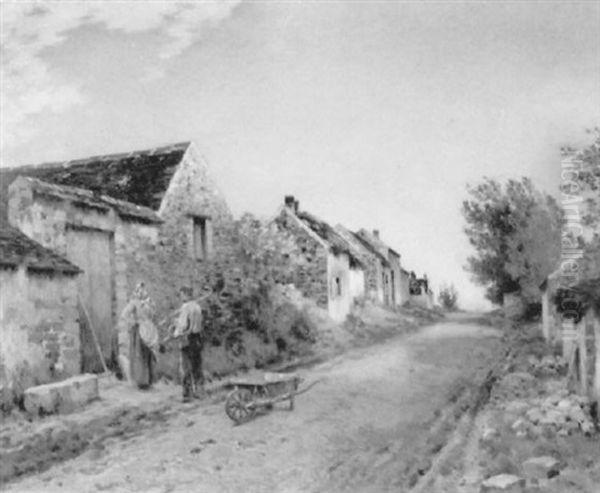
x=259 y=392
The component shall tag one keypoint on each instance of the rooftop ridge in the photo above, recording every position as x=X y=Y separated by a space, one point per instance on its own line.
x=122 y=207
x=102 y=157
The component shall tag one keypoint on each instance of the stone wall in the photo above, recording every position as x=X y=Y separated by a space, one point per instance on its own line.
x=234 y=287
x=340 y=295
x=310 y=262
x=192 y=193
x=357 y=283
x=39 y=339
x=132 y=240
x=372 y=266
x=424 y=299
x=48 y=220
x=404 y=286
x=395 y=276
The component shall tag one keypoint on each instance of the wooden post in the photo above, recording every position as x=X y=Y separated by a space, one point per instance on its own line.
x=568 y=329
x=596 y=322
x=546 y=315
x=583 y=359
x=94 y=336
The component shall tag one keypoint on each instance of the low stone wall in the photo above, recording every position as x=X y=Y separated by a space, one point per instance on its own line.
x=424 y=300
x=61 y=397
x=40 y=330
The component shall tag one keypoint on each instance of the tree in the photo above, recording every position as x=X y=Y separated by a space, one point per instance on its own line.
x=585 y=183
x=448 y=297
x=515 y=231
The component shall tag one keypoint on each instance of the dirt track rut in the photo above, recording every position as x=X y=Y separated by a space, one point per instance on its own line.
x=352 y=432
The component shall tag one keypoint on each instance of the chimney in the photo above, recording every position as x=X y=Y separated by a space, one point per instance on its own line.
x=291 y=203
x=376 y=233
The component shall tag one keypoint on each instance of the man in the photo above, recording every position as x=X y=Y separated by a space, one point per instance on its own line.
x=188 y=330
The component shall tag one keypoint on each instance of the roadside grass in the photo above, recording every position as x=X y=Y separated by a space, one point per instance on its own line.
x=487 y=444
x=505 y=451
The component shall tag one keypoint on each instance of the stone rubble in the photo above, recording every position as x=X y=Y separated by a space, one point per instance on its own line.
x=565 y=414
x=541 y=467
x=503 y=483
x=547 y=366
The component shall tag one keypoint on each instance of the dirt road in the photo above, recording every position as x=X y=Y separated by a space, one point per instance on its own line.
x=351 y=432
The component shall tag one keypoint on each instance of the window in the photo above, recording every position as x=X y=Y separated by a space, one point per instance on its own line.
x=201 y=238
x=338 y=286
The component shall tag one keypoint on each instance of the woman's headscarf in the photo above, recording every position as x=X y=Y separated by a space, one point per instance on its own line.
x=140 y=293
x=145 y=313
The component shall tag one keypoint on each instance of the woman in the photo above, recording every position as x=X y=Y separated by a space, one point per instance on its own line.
x=138 y=339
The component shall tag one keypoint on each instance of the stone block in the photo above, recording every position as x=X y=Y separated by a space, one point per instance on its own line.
x=489 y=433
x=516 y=407
x=503 y=483
x=61 y=397
x=6 y=398
x=534 y=415
x=576 y=414
x=541 y=467
x=554 y=418
x=519 y=424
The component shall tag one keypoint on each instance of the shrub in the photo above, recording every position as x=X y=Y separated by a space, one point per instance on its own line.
x=448 y=297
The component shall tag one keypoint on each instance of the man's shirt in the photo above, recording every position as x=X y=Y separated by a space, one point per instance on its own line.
x=189 y=320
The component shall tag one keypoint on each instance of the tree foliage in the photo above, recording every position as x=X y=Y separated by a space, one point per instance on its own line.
x=583 y=181
x=448 y=297
x=515 y=231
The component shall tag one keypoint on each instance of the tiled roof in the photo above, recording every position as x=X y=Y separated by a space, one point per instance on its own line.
x=139 y=177
x=329 y=235
x=17 y=249
x=85 y=198
x=360 y=245
x=370 y=243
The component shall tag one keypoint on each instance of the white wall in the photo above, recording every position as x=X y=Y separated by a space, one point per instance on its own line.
x=357 y=284
x=338 y=266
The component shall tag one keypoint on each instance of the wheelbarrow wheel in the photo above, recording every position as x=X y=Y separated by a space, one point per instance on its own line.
x=238 y=406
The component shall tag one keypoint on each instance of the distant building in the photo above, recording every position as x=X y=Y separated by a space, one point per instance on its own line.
x=393 y=290
x=420 y=291
x=404 y=286
x=328 y=269
x=376 y=264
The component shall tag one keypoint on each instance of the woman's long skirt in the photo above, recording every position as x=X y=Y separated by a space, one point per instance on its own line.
x=141 y=361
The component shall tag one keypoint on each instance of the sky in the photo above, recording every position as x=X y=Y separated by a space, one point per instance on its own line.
x=373 y=114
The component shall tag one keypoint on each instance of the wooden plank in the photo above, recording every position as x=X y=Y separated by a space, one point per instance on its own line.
x=583 y=359
x=94 y=336
x=596 y=322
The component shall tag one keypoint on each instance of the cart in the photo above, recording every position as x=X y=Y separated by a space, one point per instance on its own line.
x=261 y=391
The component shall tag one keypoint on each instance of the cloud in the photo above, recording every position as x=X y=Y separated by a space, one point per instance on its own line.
x=29 y=85
x=183 y=26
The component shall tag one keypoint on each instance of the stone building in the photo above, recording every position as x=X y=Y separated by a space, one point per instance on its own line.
x=391 y=277
x=404 y=285
x=152 y=215
x=376 y=264
x=327 y=268
x=39 y=329
x=420 y=290
x=96 y=233
x=174 y=181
